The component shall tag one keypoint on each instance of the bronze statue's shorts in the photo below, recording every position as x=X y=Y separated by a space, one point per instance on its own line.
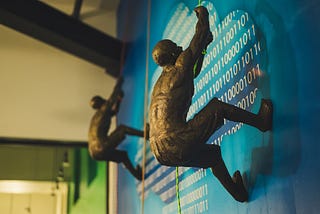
x=175 y=150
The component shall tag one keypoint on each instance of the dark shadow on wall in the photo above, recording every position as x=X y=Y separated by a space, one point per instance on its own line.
x=280 y=155
x=261 y=161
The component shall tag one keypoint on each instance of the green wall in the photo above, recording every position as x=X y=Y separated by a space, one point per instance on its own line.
x=88 y=189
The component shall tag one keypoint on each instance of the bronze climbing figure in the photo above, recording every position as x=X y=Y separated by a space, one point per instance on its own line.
x=177 y=142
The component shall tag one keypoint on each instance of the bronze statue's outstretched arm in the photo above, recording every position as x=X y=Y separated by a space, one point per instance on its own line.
x=198 y=65
x=202 y=36
x=117 y=92
x=116 y=97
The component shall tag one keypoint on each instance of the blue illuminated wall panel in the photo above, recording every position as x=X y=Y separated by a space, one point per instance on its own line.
x=261 y=49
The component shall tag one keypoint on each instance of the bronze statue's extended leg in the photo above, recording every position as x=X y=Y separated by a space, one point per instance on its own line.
x=233 y=185
x=209 y=119
x=114 y=139
x=212 y=115
x=122 y=157
x=136 y=172
x=130 y=131
x=119 y=134
x=209 y=155
x=262 y=120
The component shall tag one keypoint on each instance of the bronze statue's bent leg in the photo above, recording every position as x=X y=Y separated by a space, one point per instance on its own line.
x=211 y=117
x=261 y=121
x=114 y=139
x=119 y=156
x=208 y=120
x=119 y=134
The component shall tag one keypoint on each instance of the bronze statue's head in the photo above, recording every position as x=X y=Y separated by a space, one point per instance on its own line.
x=166 y=52
x=96 y=102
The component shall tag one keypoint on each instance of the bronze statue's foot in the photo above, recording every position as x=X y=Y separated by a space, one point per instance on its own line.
x=138 y=173
x=266 y=113
x=147 y=130
x=242 y=194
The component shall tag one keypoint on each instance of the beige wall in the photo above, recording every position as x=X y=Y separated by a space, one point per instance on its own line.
x=44 y=92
